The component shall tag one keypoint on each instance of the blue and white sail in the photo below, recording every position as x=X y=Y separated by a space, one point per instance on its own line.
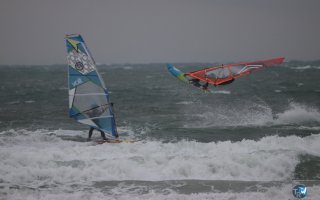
x=88 y=97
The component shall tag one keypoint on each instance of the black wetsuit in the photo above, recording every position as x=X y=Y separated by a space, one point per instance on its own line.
x=195 y=82
x=103 y=135
x=205 y=86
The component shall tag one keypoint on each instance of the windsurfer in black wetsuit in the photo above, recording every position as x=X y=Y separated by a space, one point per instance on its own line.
x=205 y=86
x=103 y=135
x=196 y=83
x=94 y=112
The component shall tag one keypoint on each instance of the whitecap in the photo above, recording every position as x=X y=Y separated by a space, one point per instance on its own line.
x=40 y=154
x=29 y=101
x=221 y=92
x=184 y=102
x=298 y=113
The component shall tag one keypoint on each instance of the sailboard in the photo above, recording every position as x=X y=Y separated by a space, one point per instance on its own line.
x=224 y=74
x=115 y=141
x=89 y=99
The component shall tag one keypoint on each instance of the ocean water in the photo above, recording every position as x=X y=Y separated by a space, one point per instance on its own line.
x=253 y=139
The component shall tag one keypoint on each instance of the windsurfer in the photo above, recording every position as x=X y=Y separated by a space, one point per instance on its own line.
x=103 y=135
x=95 y=112
x=205 y=86
x=196 y=83
x=221 y=75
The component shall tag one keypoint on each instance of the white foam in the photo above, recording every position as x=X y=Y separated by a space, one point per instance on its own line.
x=315 y=128
x=298 y=113
x=13 y=102
x=29 y=101
x=184 y=103
x=248 y=114
x=253 y=114
x=39 y=158
x=135 y=193
x=283 y=192
x=128 y=67
x=300 y=84
x=124 y=131
x=305 y=67
x=220 y=92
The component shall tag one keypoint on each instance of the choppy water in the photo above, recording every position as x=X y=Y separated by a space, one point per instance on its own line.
x=253 y=139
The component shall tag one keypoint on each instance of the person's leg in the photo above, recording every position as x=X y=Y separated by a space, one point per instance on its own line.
x=90 y=133
x=205 y=86
x=103 y=135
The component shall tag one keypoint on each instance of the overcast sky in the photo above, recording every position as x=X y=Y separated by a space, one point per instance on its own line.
x=152 y=31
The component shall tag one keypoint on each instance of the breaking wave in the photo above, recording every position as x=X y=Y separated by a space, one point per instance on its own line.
x=62 y=161
x=43 y=159
x=253 y=114
x=305 y=67
x=298 y=113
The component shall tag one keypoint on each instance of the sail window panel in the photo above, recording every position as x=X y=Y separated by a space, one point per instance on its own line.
x=218 y=73
x=100 y=111
x=89 y=88
x=88 y=102
x=235 y=70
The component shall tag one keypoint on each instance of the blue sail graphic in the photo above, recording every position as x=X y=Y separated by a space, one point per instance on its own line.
x=88 y=97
